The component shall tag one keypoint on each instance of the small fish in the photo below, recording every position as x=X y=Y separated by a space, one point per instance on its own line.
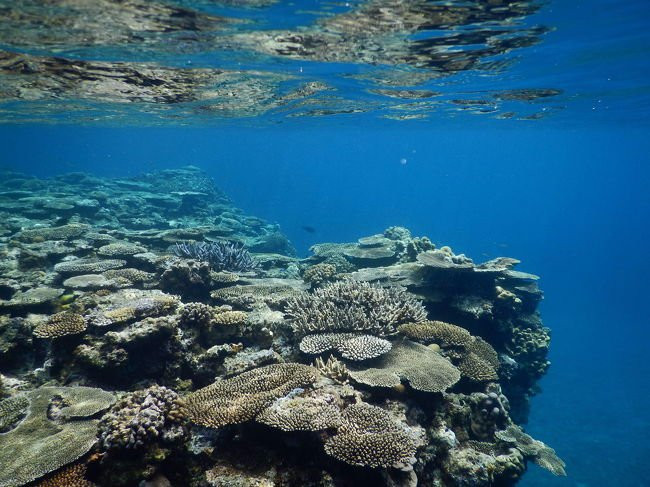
x=308 y=229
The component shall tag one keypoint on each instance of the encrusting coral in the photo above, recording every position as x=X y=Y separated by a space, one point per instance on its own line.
x=368 y=437
x=243 y=397
x=61 y=324
x=56 y=431
x=423 y=368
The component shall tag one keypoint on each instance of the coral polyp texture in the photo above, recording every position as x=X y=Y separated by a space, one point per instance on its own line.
x=368 y=437
x=158 y=335
x=61 y=324
x=243 y=397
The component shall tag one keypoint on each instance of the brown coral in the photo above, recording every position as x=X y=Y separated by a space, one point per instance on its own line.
x=243 y=397
x=368 y=437
x=425 y=369
x=61 y=324
x=71 y=476
x=437 y=331
x=230 y=318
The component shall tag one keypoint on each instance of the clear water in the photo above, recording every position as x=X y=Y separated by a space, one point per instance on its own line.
x=559 y=181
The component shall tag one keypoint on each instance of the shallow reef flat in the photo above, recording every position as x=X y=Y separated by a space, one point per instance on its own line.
x=153 y=334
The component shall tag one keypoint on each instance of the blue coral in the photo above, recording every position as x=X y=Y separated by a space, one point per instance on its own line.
x=222 y=256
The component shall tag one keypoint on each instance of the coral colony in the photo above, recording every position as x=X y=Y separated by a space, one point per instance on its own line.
x=179 y=341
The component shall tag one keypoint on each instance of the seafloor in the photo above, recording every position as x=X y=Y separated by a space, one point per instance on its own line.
x=151 y=333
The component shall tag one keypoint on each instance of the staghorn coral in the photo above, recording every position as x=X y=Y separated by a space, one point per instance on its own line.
x=142 y=417
x=438 y=332
x=61 y=324
x=56 y=432
x=351 y=346
x=424 y=369
x=353 y=306
x=71 y=476
x=332 y=368
x=291 y=413
x=222 y=256
x=243 y=397
x=368 y=437
x=537 y=451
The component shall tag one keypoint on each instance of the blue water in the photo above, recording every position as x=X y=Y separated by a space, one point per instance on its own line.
x=568 y=195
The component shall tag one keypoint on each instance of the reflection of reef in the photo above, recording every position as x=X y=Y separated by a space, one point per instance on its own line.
x=395 y=45
x=72 y=23
x=230 y=93
x=377 y=32
x=436 y=356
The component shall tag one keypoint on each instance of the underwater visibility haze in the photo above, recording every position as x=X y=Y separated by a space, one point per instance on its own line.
x=324 y=243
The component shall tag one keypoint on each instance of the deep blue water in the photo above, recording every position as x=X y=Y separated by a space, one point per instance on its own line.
x=568 y=195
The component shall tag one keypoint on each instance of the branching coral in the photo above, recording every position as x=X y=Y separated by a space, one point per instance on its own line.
x=222 y=256
x=56 y=432
x=424 y=369
x=142 y=417
x=351 y=346
x=353 y=306
x=61 y=324
x=332 y=368
x=368 y=437
x=243 y=397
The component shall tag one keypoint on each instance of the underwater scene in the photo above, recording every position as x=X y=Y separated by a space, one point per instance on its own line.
x=324 y=243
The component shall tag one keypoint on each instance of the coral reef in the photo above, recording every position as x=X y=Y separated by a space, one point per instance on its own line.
x=209 y=366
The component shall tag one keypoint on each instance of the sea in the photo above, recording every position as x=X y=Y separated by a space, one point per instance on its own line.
x=498 y=128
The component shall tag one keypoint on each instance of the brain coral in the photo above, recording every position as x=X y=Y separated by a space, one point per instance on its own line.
x=368 y=437
x=353 y=306
x=61 y=324
x=243 y=397
x=424 y=368
x=351 y=346
x=142 y=417
x=56 y=432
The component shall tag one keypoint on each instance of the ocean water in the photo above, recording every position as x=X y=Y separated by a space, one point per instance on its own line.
x=559 y=180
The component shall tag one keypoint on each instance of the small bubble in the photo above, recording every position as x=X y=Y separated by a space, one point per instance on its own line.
x=403 y=161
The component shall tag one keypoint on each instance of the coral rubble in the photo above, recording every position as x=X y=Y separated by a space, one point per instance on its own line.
x=131 y=356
